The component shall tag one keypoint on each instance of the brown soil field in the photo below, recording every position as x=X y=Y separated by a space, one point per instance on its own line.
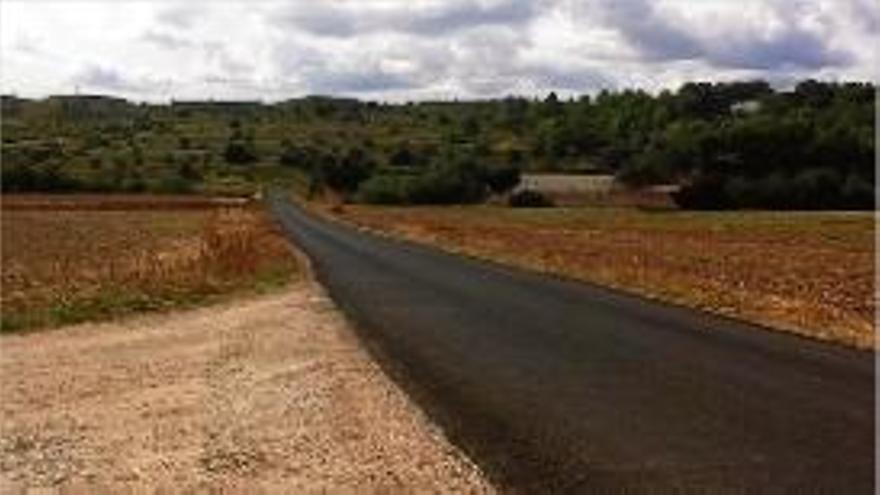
x=807 y=273
x=85 y=260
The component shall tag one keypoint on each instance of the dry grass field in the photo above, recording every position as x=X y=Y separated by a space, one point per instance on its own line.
x=69 y=259
x=809 y=273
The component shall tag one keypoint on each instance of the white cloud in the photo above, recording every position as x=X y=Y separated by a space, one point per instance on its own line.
x=398 y=49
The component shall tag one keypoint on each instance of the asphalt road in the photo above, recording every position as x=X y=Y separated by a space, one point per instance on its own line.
x=554 y=385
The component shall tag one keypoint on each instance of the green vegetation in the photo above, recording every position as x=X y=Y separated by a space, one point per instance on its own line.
x=726 y=145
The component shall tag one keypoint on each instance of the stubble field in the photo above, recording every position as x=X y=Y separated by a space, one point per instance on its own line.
x=807 y=273
x=69 y=259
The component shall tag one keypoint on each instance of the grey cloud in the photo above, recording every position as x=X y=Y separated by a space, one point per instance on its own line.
x=529 y=79
x=661 y=37
x=494 y=62
x=28 y=45
x=165 y=40
x=648 y=31
x=178 y=17
x=217 y=53
x=349 y=19
x=316 y=73
x=230 y=64
x=437 y=21
x=791 y=48
x=320 y=20
x=575 y=79
x=867 y=14
x=484 y=62
x=106 y=79
x=235 y=83
x=357 y=81
x=401 y=62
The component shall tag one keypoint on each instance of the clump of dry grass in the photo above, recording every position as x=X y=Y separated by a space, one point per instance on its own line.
x=72 y=265
x=230 y=243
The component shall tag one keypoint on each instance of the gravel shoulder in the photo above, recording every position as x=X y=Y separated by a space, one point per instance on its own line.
x=271 y=393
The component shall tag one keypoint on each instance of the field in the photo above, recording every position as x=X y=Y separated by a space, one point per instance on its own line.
x=808 y=273
x=69 y=259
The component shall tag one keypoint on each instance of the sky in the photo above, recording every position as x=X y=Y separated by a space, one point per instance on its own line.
x=397 y=50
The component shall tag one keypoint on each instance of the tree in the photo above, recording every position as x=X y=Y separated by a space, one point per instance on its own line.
x=403 y=156
x=814 y=93
x=238 y=152
x=346 y=174
x=552 y=106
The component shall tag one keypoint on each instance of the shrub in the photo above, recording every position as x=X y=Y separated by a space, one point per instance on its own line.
x=454 y=183
x=774 y=191
x=173 y=184
x=528 y=198
x=346 y=174
x=858 y=193
x=48 y=177
x=817 y=188
x=385 y=190
x=704 y=192
x=239 y=153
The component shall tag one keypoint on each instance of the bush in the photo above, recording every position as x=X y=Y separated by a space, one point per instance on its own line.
x=173 y=184
x=385 y=190
x=858 y=193
x=445 y=184
x=812 y=189
x=346 y=174
x=528 y=198
x=704 y=192
x=818 y=188
x=239 y=153
x=449 y=184
x=47 y=177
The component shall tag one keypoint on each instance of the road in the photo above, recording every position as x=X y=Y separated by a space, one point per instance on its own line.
x=553 y=385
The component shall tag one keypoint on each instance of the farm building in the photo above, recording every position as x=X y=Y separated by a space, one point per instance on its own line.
x=583 y=190
x=570 y=189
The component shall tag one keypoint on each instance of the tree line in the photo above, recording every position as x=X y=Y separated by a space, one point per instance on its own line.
x=724 y=145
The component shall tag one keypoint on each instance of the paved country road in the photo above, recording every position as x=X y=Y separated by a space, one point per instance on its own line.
x=553 y=385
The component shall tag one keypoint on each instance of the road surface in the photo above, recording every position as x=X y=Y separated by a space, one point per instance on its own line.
x=553 y=385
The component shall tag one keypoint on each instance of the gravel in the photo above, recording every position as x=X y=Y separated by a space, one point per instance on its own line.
x=271 y=393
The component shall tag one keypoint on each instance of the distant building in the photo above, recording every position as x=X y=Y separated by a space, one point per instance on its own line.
x=570 y=189
x=746 y=107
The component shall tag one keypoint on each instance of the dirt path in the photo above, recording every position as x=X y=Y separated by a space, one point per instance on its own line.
x=272 y=392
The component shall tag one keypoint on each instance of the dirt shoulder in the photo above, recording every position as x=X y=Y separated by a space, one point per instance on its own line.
x=270 y=393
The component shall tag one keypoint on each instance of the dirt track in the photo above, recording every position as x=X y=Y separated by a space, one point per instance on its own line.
x=272 y=392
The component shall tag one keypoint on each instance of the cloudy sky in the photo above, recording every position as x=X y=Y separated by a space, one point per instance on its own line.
x=424 y=49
